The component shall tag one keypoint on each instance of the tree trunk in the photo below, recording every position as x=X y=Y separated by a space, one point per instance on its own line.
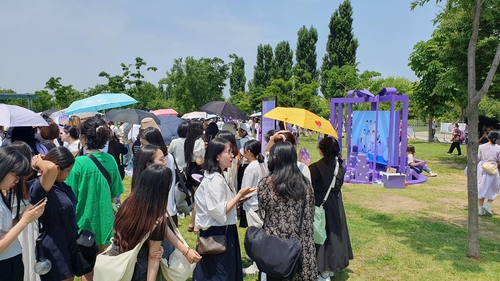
x=472 y=108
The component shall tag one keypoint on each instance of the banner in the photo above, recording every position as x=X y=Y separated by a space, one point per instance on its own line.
x=267 y=124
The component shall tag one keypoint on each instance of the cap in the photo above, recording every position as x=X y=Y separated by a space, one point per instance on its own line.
x=245 y=127
x=149 y=122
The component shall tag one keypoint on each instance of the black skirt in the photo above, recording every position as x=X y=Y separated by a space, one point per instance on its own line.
x=222 y=267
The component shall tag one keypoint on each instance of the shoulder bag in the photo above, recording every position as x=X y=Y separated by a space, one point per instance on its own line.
x=83 y=249
x=277 y=257
x=183 y=197
x=212 y=245
x=489 y=167
x=319 y=212
x=120 y=267
x=177 y=267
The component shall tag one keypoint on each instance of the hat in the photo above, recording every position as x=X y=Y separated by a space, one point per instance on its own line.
x=149 y=122
x=245 y=127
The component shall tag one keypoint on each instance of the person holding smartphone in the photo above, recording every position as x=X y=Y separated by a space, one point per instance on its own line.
x=13 y=166
x=55 y=168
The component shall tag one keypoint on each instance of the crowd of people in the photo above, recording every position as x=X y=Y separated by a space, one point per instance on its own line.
x=77 y=168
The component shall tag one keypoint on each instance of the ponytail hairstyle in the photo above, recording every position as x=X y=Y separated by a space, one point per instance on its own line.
x=493 y=136
x=72 y=131
x=96 y=133
x=255 y=148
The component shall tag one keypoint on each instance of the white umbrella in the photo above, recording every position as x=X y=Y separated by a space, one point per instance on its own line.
x=16 y=116
x=195 y=115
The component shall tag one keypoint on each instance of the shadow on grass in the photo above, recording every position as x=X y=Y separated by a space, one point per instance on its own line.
x=439 y=240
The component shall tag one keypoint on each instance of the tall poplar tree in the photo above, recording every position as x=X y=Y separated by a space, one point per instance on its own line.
x=237 y=79
x=340 y=48
x=283 y=61
x=305 y=54
x=261 y=75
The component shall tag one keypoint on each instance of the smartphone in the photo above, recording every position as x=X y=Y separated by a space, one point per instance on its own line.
x=44 y=199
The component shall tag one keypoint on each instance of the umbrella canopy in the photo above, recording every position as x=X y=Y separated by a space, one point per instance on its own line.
x=303 y=118
x=169 y=125
x=195 y=115
x=100 y=102
x=165 y=112
x=223 y=108
x=16 y=116
x=48 y=112
x=133 y=116
x=60 y=117
x=488 y=121
x=258 y=114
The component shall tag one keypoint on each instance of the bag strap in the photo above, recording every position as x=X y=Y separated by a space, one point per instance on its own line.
x=180 y=177
x=303 y=211
x=101 y=168
x=62 y=211
x=332 y=185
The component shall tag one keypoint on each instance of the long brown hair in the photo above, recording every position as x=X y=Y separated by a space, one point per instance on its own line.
x=146 y=204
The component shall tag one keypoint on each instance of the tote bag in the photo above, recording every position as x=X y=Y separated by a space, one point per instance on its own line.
x=177 y=267
x=319 y=223
x=117 y=268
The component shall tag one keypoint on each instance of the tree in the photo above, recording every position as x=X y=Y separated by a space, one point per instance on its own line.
x=194 y=83
x=283 y=61
x=237 y=79
x=261 y=75
x=44 y=101
x=340 y=48
x=64 y=95
x=305 y=54
x=148 y=96
x=473 y=98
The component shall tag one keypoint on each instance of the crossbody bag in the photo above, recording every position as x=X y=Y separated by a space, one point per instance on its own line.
x=319 y=212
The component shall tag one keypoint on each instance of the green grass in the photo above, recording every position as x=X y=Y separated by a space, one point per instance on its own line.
x=416 y=233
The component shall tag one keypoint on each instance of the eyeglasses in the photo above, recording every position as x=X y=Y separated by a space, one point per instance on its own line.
x=15 y=175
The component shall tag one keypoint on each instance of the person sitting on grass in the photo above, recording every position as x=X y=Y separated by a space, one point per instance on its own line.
x=415 y=164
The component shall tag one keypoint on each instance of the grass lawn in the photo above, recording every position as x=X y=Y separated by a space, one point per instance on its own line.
x=417 y=233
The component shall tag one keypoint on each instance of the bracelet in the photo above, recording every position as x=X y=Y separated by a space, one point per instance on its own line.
x=187 y=251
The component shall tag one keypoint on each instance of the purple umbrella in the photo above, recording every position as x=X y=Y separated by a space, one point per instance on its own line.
x=16 y=116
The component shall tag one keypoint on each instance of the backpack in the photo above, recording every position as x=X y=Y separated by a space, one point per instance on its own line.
x=462 y=136
x=183 y=197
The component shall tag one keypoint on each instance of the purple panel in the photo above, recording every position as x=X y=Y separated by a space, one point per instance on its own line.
x=267 y=124
x=387 y=92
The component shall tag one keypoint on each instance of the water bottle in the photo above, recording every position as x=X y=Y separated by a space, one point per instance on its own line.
x=42 y=265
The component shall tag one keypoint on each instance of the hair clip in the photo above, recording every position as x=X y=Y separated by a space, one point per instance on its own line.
x=97 y=129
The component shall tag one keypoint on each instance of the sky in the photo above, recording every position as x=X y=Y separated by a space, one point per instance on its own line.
x=76 y=40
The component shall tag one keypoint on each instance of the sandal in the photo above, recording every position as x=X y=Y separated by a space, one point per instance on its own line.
x=190 y=229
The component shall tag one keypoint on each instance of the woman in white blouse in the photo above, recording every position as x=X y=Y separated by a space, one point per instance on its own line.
x=254 y=172
x=216 y=214
x=70 y=136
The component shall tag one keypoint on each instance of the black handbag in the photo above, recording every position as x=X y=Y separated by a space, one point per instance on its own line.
x=83 y=249
x=277 y=257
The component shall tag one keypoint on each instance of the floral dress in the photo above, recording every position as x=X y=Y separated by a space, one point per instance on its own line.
x=282 y=219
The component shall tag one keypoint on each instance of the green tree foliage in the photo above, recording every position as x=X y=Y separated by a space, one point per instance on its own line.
x=283 y=61
x=148 y=96
x=305 y=54
x=261 y=75
x=341 y=49
x=194 y=83
x=64 y=95
x=237 y=78
x=44 y=101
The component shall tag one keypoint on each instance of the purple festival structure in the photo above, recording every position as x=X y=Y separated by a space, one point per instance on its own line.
x=367 y=163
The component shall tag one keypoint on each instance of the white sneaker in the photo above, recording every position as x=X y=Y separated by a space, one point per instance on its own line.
x=251 y=270
x=487 y=209
x=320 y=278
x=481 y=211
x=433 y=174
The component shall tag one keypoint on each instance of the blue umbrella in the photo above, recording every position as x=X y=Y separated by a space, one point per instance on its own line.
x=100 y=102
x=168 y=126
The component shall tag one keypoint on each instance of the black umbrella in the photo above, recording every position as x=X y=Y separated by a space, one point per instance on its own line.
x=48 y=112
x=133 y=116
x=223 y=109
x=488 y=121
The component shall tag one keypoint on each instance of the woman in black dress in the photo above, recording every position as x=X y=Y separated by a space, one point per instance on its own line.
x=335 y=253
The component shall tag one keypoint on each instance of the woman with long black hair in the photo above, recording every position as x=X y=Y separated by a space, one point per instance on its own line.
x=335 y=253
x=13 y=167
x=286 y=206
x=194 y=154
x=137 y=217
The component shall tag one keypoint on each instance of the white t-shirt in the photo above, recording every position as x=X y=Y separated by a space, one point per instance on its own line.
x=14 y=248
x=176 y=147
x=74 y=147
x=254 y=172
x=198 y=150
